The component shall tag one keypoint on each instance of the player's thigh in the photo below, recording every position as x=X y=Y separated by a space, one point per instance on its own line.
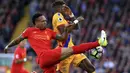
x=15 y=70
x=50 y=70
x=49 y=58
x=65 y=68
x=87 y=65
x=24 y=71
x=64 y=65
x=78 y=58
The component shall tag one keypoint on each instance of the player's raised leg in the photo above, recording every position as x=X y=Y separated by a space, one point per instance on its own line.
x=86 y=64
x=56 y=55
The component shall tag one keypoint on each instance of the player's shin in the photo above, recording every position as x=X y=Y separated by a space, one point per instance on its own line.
x=84 y=47
x=86 y=65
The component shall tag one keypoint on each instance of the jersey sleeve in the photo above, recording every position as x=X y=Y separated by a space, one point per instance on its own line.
x=25 y=33
x=58 y=19
x=53 y=34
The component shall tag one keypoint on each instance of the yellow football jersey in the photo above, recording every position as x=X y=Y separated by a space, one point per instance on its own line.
x=64 y=65
x=58 y=20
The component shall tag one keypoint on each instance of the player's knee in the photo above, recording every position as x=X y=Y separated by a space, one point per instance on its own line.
x=92 y=69
x=66 y=52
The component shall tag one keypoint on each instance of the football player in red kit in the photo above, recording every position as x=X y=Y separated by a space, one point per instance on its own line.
x=19 y=59
x=40 y=38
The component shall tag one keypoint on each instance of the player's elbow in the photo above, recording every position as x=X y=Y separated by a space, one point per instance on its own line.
x=62 y=39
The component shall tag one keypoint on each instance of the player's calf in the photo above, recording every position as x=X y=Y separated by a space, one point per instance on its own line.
x=86 y=65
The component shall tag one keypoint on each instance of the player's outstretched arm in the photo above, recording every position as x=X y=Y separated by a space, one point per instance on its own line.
x=67 y=29
x=63 y=36
x=69 y=12
x=20 y=60
x=71 y=26
x=14 y=42
x=75 y=23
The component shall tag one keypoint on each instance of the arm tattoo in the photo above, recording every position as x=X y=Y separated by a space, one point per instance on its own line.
x=16 y=41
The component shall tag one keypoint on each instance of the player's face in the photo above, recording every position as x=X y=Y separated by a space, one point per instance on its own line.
x=61 y=8
x=41 y=22
x=22 y=44
x=63 y=11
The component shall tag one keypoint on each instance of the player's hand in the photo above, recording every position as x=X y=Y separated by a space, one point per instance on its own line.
x=80 y=18
x=6 y=49
x=67 y=11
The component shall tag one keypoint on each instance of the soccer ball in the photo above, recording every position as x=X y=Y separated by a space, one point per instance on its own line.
x=97 y=52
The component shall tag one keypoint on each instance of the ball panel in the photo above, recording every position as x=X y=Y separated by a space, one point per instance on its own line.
x=97 y=52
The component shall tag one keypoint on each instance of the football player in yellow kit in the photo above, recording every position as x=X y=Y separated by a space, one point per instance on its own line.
x=59 y=22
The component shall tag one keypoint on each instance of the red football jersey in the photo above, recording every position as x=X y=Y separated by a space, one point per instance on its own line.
x=40 y=40
x=19 y=53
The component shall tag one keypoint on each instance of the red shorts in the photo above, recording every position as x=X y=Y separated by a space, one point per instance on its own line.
x=48 y=59
x=22 y=70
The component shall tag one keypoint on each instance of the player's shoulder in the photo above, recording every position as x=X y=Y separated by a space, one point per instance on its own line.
x=57 y=15
x=30 y=28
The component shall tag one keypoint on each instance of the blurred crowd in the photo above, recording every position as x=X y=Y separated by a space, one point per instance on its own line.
x=10 y=13
x=111 y=15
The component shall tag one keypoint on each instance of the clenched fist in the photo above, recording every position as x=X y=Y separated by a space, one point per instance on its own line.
x=6 y=49
x=80 y=18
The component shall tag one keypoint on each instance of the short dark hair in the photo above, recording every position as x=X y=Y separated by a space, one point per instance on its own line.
x=58 y=3
x=35 y=16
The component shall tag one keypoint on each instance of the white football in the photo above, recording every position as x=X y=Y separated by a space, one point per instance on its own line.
x=97 y=52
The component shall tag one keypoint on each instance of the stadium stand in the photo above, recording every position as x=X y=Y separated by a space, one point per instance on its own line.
x=110 y=15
